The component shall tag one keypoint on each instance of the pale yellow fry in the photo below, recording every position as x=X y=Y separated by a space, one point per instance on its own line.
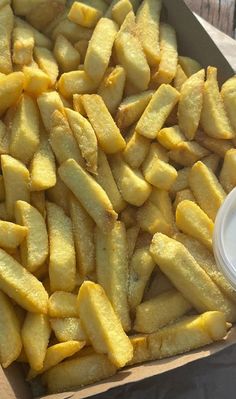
x=169 y=137
x=59 y=194
x=83 y=230
x=180 y=78
x=34 y=250
x=36 y=332
x=112 y=270
x=68 y=329
x=106 y=180
x=80 y=372
x=82 y=46
x=37 y=199
x=10 y=338
x=11 y=235
x=16 y=181
x=188 y=277
x=108 y=134
x=23 y=45
x=227 y=176
x=36 y=81
x=11 y=87
x=130 y=55
x=120 y=11
x=76 y=82
x=228 y=93
x=140 y=347
x=47 y=63
x=73 y=32
x=48 y=103
x=131 y=183
x=62 y=304
x=193 y=221
x=102 y=325
x=162 y=200
x=136 y=149
x=112 y=86
x=158 y=312
x=189 y=65
x=213 y=118
x=212 y=162
x=55 y=354
x=157 y=111
x=151 y=219
x=84 y=15
x=181 y=181
x=206 y=189
x=40 y=39
x=85 y=137
x=217 y=146
x=67 y=56
x=62 y=140
x=25 y=130
x=62 y=262
x=186 y=153
x=183 y=195
x=190 y=104
x=21 y=285
x=140 y=270
x=131 y=109
x=166 y=70
x=6 y=28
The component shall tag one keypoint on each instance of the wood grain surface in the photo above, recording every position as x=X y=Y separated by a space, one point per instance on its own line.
x=220 y=13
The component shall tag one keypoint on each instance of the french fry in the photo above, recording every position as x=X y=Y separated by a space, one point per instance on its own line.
x=213 y=118
x=92 y=197
x=147 y=19
x=180 y=78
x=34 y=249
x=47 y=63
x=131 y=109
x=182 y=196
x=35 y=337
x=193 y=221
x=84 y=15
x=188 y=277
x=161 y=199
x=10 y=338
x=14 y=279
x=158 y=285
x=83 y=231
x=187 y=153
x=126 y=43
x=189 y=65
x=23 y=45
x=81 y=371
x=25 y=130
x=98 y=54
x=108 y=134
x=112 y=270
x=48 y=103
x=62 y=262
x=11 y=235
x=36 y=81
x=46 y=8
x=227 y=177
x=152 y=120
x=126 y=178
x=228 y=93
x=128 y=216
x=59 y=194
x=191 y=93
x=131 y=238
x=181 y=181
x=85 y=137
x=16 y=180
x=212 y=162
x=62 y=140
x=71 y=31
x=39 y=38
x=120 y=11
x=68 y=329
x=82 y=46
x=166 y=70
x=140 y=270
x=136 y=150
x=62 y=304
x=78 y=104
x=151 y=219
x=68 y=58
x=76 y=82
x=112 y=86
x=158 y=312
x=10 y=90
x=217 y=146
x=206 y=189
x=140 y=348
x=6 y=24
x=170 y=137
x=96 y=310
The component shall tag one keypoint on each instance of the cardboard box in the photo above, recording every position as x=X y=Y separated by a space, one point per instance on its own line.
x=194 y=42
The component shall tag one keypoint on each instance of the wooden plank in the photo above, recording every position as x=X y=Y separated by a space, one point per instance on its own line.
x=219 y=13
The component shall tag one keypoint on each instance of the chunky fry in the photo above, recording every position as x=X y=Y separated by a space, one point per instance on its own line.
x=73 y=32
x=180 y=78
x=161 y=199
x=187 y=153
x=136 y=150
x=151 y=219
x=62 y=304
x=84 y=15
x=6 y=28
x=158 y=173
x=39 y=38
x=11 y=235
x=36 y=81
x=120 y=11
x=189 y=65
x=228 y=93
x=76 y=82
x=59 y=194
x=183 y=195
x=218 y=146
x=23 y=45
x=112 y=87
x=212 y=162
x=10 y=89
x=48 y=103
x=67 y=56
x=227 y=175
x=68 y=329
x=170 y=137
x=47 y=63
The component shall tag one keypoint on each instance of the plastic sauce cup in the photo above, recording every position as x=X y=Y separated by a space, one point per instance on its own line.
x=224 y=238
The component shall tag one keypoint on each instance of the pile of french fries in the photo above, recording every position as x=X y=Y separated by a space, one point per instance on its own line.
x=116 y=154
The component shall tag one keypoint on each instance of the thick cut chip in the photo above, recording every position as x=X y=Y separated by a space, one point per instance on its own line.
x=112 y=270
x=112 y=87
x=25 y=130
x=213 y=118
x=59 y=195
x=10 y=337
x=159 y=283
x=188 y=277
x=206 y=188
x=212 y=162
x=228 y=93
x=36 y=81
x=157 y=111
x=187 y=153
x=102 y=325
x=84 y=15
x=34 y=249
x=82 y=46
x=73 y=32
x=68 y=329
x=76 y=82
x=67 y=56
x=23 y=45
x=218 y=146
x=40 y=39
x=48 y=103
x=47 y=63
x=11 y=235
x=151 y=219
x=180 y=78
x=183 y=195
x=189 y=65
x=108 y=134
x=120 y=11
x=190 y=104
x=130 y=55
x=36 y=332
x=227 y=175
x=6 y=28
x=193 y=221
x=62 y=304
x=131 y=183
x=136 y=150
x=16 y=181
x=181 y=181
x=162 y=200
x=62 y=262
x=93 y=198
x=170 y=137
x=11 y=87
